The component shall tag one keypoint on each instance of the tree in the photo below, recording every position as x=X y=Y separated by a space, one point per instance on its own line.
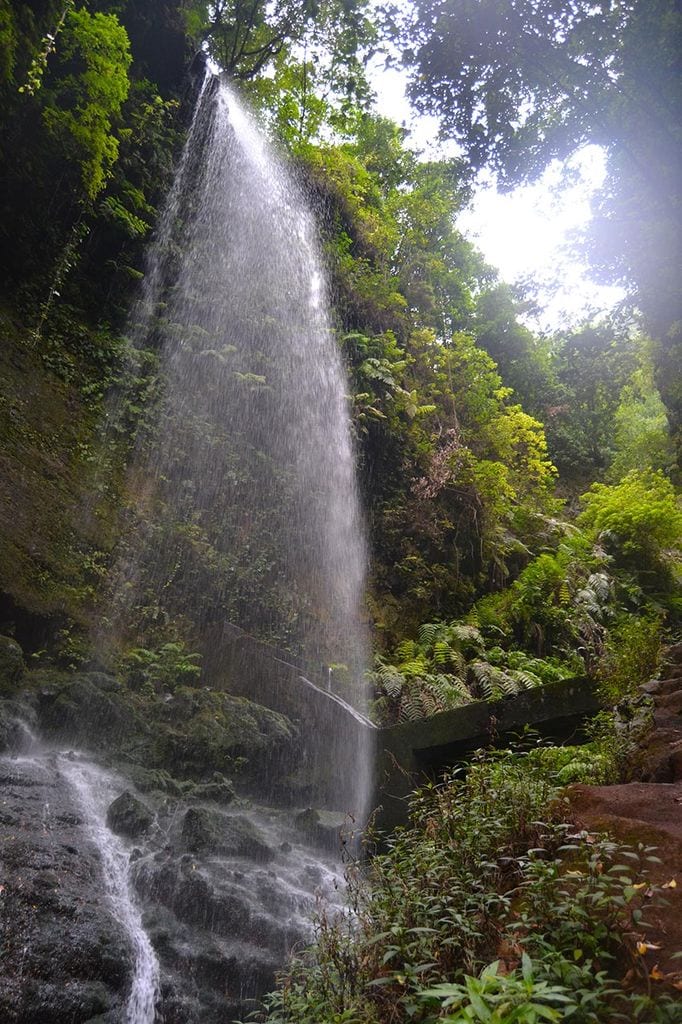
x=521 y=82
x=639 y=522
x=85 y=95
x=245 y=36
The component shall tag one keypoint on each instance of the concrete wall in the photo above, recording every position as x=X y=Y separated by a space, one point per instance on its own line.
x=409 y=753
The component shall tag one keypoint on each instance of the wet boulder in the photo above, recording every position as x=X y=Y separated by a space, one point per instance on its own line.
x=219 y=789
x=128 y=816
x=208 y=831
x=324 y=828
x=65 y=955
x=17 y=726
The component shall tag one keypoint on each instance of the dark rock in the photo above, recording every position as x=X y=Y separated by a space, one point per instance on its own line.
x=674 y=653
x=322 y=827
x=149 y=780
x=661 y=687
x=65 y=957
x=88 y=709
x=307 y=821
x=11 y=664
x=219 y=789
x=128 y=816
x=672 y=702
x=17 y=726
x=675 y=762
x=205 y=830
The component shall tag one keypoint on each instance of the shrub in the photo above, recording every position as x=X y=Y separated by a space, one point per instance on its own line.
x=639 y=520
x=487 y=872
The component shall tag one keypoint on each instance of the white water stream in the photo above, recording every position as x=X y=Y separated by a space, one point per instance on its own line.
x=94 y=789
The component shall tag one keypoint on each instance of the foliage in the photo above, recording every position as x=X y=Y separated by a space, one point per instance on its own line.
x=521 y=83
x=166 y=668
x=639 y=521
x=451 y=665
x=592 y=366
x=631 y=656
x=595 y=763
x=502 y=998
x=81 y=107
x=34 y=76
x=487 y=872
x=642 y=439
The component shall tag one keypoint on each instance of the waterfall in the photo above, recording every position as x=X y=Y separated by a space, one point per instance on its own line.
x=248 y=512
x=93 y=790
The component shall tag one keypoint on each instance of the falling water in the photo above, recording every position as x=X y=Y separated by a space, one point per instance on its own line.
x=247 y=497
x=93 y=790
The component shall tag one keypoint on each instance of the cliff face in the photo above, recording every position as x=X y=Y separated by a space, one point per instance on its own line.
x=54 y=531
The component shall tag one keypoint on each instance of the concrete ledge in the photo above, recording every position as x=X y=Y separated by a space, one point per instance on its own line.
x=409 y=753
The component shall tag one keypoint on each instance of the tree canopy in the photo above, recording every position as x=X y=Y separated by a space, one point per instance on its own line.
x=521 y=82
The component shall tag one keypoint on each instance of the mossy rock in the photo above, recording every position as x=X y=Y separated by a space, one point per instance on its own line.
x=219 y=790
x=193 y=736
x=202 y=730
x=322 y=827
x=17 y=722
x=153 y=780
x=89 y=709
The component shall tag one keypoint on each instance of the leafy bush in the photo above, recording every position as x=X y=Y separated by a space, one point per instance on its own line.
x=487 y=873
x=639 y=520
x=590 y=763
x=167 y=667
x=496 y=998
x=449 y=666
x=631 y=656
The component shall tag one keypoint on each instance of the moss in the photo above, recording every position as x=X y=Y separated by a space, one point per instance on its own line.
x=55 y=534
x=197 y=734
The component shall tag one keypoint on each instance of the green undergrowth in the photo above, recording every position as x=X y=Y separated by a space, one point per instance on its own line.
x=489 y=907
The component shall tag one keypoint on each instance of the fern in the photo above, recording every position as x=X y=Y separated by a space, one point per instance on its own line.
x=428 y=633
x=406 y=650
x=524 y=680
x=467 y=634
x=415 y=667
x=442 y=654
x=411 y=705
x=390 y=680
x=601 y=584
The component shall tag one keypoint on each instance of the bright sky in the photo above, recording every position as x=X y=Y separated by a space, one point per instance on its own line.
x=526 y=233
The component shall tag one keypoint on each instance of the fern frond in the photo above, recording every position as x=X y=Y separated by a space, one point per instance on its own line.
x=467 y=634
x=406 y=650
x=505 y=683
x=524 y=680
x=428 y=632
x=441 y=652
x=415 y=667
x=412 y=703
x=390 y=680
x=601 y=584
